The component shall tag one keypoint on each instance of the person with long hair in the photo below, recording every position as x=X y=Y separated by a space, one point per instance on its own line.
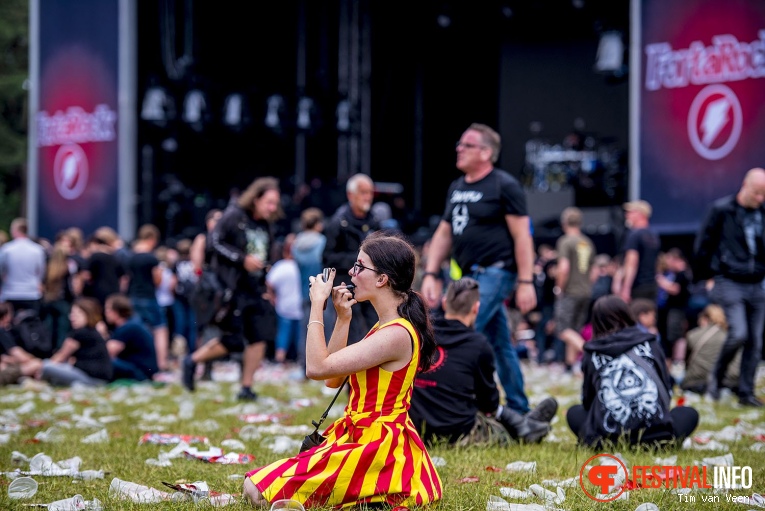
x=241 y=244
x=626 y=390
x=83 y=357
x=58 y=293
x=704 y=345
x=373 y=453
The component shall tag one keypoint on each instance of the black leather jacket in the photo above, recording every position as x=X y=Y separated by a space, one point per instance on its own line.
x=344 y=234
x=721 y=247
x=228 y=242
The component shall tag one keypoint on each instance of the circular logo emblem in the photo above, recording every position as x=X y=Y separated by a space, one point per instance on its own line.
x=605 y=477
x=440 y=358
x=714 y=122
x=70 y=171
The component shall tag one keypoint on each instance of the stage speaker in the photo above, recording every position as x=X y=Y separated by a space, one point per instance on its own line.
x=546 y=207
x=602 y=220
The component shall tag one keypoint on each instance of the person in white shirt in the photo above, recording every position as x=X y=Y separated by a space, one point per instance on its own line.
x=284 y=281
x=22 y=267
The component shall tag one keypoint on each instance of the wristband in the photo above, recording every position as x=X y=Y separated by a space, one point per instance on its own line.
x=432 y=274
x=524 y=281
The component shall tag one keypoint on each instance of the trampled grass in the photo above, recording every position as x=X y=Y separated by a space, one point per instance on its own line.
x=470 y=475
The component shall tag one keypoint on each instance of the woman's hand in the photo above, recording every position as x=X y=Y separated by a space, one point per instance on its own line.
x=319 y=290
x=343 y=300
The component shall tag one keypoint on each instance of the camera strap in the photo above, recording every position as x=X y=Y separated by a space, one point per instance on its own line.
x=326 y=412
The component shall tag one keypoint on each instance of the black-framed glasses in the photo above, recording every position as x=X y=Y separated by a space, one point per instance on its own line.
x=358 y=268
x=467 y=145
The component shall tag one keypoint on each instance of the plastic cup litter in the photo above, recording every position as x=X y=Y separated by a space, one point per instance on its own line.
x=287 y=504
x=22 y=488
x=75 y=503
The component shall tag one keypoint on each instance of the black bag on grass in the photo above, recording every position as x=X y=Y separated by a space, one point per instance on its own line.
x=30 y=333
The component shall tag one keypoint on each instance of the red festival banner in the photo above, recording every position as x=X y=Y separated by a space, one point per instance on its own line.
x=80 y=168
x=698 y=104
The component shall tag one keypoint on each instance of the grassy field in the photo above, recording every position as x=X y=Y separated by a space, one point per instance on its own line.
x=470 y=476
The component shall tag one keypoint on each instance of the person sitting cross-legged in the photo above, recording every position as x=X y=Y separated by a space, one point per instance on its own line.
x=131 y=343
x=626 y=392
x=457 y=399
x=82 y=358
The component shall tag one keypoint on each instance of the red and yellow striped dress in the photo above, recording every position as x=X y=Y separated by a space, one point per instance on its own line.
x=372 y=454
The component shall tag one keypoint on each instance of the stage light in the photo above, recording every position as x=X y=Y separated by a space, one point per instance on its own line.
x=157 y=105
x=305 y=105
x=236 y=112
x=344 y=116
x=194 y=107
x=610 y=56
x=274 y=112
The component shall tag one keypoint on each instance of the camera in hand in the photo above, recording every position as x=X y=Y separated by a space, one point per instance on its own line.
x=325 y=277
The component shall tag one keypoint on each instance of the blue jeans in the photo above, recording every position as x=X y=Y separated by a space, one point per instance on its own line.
x=496 y=285
x=150 y=311
x=124 y=370
x=541 y=336
x=287 y=333
x=744 y=306
x=185 y=323
x=55 y=316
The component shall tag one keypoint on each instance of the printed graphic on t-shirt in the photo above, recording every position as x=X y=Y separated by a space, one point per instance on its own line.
x=460 y=213
x=583 y=254
x=460 y=219
x=752 y=229
x=257 y=243
x=628 y=393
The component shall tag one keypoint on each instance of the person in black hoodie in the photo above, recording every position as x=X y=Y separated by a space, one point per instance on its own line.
x=626 y=388
x=457 y=398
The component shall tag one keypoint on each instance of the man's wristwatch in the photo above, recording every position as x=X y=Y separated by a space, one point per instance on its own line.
x=432 y=274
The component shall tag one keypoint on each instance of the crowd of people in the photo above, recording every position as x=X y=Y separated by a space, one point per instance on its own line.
x=705 y=308
x=416 y=331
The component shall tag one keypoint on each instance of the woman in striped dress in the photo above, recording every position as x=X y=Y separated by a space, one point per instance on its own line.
x=372 y=454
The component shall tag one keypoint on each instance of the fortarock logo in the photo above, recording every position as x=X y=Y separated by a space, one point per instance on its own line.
x=715 y=120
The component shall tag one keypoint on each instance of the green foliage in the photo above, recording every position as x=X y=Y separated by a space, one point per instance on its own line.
x=14 y=71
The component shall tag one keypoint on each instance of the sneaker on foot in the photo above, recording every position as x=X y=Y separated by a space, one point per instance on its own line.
x=188 y=368
x=544 y=411
x=537 y=431
x=247 y=395
x=750 y=401
x=207 y=374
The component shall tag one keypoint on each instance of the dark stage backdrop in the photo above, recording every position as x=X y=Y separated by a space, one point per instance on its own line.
x=435 y=67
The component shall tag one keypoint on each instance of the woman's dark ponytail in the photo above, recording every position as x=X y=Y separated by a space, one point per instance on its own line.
x=413 y=309
x=395 y=257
